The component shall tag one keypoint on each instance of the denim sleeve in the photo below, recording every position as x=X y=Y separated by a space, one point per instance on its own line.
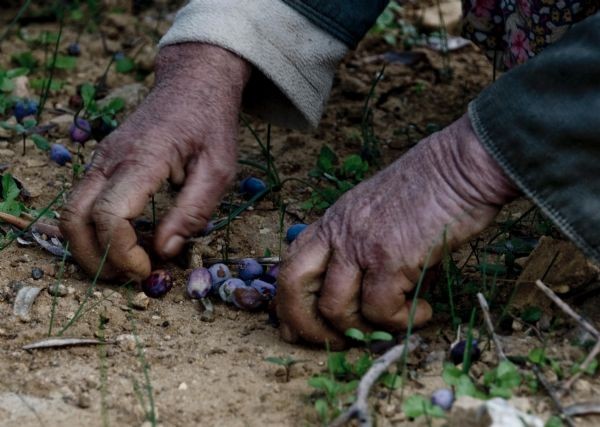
x=346 y=20
x=541 y=122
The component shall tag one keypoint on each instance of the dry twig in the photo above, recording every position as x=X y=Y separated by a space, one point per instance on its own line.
x=490 y=326
x=583 y=323
x=360 y=408
x=550 y=390
x=23 y=224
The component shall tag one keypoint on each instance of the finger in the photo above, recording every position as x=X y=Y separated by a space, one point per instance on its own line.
x=127 y=194
x=339 y=300
x=299 y=281
x=207 y=180
x=384 y=301
x=77 y=226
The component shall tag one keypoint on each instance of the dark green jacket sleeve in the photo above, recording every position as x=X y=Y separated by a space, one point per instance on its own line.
x=541 y=122
x=346 y=20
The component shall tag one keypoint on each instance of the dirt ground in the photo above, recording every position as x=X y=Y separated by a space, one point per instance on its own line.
x=215 y=373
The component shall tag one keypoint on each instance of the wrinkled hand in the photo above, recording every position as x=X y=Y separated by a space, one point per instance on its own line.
x=184 y=131
x=357 y=265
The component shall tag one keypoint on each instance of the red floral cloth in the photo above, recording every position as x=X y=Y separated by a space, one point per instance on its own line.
x=512 y=31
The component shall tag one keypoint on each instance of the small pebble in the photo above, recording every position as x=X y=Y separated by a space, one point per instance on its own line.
x=182 y=386
x=140 y=301
x=84 y=401
x=59 y=290
x=37 y=273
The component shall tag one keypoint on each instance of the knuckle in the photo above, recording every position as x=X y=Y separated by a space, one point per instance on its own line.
x=332 y=310
x=192 y=219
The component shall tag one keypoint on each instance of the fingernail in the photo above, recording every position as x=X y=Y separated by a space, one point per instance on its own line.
x=173 y=246
x=286 y=333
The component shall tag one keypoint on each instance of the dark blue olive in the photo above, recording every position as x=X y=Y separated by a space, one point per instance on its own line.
x=249 y=269
x=80 y=131
x=457 y=352
x=294 y=231
x=74 y=49
x=59 y=154
x=24 y=108
x=199 y=283
x=228 y=286
x=266 y=289
x=157 y=284
x=443 y=397
x=251 y=186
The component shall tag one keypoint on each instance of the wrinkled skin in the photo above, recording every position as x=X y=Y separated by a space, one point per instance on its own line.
x=355 y=266
x=185 y=132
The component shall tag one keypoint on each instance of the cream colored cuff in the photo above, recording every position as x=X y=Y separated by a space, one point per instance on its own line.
x=297 y=59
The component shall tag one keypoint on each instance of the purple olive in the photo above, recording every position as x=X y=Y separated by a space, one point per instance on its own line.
x=443 y=397
x=252 y=186
x=272 y=273
x=199 y=283
x=266 y=289
x=80 y=131
x=249 y=269
x=76 y=102
x=157 y=284
x=457 y=352
x=59 y=154
x=218 y=274
x=294 y=231
x=227 y=288
x=247 y=298
x=210 y=226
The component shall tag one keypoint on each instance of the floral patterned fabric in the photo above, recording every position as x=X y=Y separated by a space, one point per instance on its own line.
x=512 y=31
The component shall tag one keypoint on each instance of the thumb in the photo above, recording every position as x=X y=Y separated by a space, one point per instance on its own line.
x=204 y=186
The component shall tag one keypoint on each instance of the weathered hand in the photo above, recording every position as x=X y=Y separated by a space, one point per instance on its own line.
x=184 y=131
x=357 y=265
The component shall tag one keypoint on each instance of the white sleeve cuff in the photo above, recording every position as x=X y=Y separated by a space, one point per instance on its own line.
x=296 y=58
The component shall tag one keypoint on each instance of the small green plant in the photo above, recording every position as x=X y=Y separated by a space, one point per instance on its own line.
x=340 y=380
x=335 y=177
x=391 y=27
x=93 y=111
x=501 y=381
x=10 y=193
x=287 y=362
x=368 y=337
x=540 y=358
x=28 y=128
x=416 y=406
